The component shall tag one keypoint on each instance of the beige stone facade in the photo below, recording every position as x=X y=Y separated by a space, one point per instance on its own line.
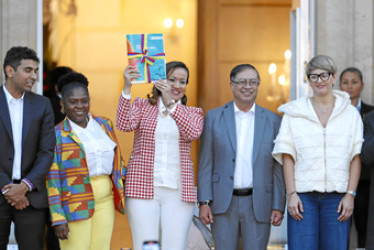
x=18 y=26
x=345 y=31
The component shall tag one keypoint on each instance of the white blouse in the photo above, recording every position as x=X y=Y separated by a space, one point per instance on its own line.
x=167 y=157
x=98 y=147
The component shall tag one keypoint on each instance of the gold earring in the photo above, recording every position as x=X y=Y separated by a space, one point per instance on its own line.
x=62 y=110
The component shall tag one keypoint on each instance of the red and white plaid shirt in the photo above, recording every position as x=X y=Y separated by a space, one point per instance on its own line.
x=141 y=117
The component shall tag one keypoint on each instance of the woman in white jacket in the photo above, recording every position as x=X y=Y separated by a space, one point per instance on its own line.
x=319 y=143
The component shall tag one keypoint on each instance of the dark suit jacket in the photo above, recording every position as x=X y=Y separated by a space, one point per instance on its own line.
x=38 y=141
x=367 y=158
x=217 y=155
x=365 y=170
x=365 y=108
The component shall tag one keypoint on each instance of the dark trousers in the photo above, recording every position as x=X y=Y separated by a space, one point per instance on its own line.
x=29 y=226
x=51 y=238
x=361 y=209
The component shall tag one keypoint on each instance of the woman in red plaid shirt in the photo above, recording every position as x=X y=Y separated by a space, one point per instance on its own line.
x=159 y=188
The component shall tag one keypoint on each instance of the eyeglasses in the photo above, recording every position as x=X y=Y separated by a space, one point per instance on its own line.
x=244 y=82
x=323 y=76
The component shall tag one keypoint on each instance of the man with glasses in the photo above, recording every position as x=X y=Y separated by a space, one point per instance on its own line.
x=240 y=186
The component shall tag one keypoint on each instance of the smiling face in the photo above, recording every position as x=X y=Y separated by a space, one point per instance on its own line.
x=178 y=83
x=352 y=84
x=22 y=78
x=244 y=96
x=77 y=105
x=322 y=87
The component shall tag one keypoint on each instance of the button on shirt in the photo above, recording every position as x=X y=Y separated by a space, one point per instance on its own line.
x=167 y=156
x=98 y=147
x=16 y=117
x=244 y=121
x=166 y=172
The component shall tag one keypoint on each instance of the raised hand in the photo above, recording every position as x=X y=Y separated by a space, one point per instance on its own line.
x=130 y=73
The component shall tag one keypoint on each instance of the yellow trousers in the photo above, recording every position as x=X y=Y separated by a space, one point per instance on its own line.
x=94 y=233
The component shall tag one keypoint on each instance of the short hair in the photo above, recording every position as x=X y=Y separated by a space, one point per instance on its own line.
x=70 y=81
x=56 y=73
x=241 y=67
x=321 y=62
x=170 y=67
x=16 y=54
x=353 y=70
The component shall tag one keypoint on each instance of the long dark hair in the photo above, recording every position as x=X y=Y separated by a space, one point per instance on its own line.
x=170 y=67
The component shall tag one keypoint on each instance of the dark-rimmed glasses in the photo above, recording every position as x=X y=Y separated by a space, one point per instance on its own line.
x=323 y=76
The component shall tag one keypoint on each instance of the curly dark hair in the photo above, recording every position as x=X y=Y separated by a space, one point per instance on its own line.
x=170 y=67
x=16 y=54
x=70 y=81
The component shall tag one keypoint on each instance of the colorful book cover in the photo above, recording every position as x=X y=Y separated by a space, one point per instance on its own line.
x=146 y=52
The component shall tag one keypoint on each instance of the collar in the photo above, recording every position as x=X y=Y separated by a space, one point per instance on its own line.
x=75 y=126
x=359 y=105
x=238 y=111
x=162 y=107
x=9 y=97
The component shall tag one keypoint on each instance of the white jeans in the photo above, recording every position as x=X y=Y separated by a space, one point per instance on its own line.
x=166 y=210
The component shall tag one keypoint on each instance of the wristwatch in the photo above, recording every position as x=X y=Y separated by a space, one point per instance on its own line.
x=200 y=203
x=351 y=192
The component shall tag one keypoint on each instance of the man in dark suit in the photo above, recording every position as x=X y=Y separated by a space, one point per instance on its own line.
x=367 y=158
x=27 y=143
x=241 y=190
x=351 y=81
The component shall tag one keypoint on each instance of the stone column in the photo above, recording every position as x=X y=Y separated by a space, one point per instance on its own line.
x=18 y=26
x=345 y=32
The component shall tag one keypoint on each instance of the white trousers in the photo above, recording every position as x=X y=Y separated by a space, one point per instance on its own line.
x=166 y=212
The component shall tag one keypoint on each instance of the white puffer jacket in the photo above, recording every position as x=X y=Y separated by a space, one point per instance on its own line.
x=322 y=155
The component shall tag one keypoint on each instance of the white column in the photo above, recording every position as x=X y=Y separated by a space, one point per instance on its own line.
x=345 y=32
x=19 y=23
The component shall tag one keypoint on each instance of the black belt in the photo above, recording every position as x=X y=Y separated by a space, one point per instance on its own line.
x=242 y=191
x=16 y=181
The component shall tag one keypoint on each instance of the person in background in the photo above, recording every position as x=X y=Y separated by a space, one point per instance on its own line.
x=351 y=81
x=367 y=157
x=84 y=183
x=26 y=151
x=55 y=98
x=53 y=76
x=240 y=186
x=159 y=188
x=319 y=144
